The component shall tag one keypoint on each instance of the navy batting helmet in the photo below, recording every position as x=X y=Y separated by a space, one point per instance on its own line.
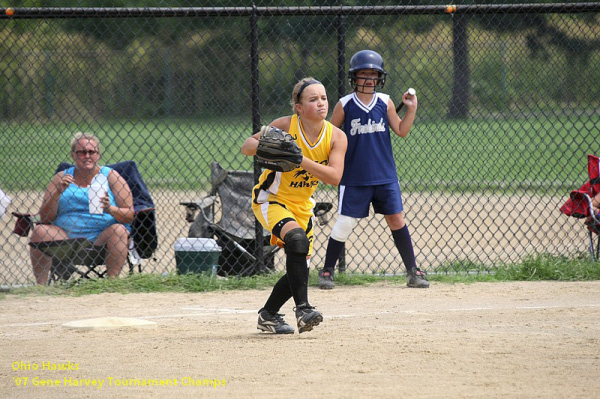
x=366 y=59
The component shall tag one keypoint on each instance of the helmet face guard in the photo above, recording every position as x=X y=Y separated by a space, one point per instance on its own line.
x=379 y=82
x=366 y=59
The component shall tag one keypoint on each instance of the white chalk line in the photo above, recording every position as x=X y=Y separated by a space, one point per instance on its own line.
x=591 y=305
x=216 y=311
x=45 y=323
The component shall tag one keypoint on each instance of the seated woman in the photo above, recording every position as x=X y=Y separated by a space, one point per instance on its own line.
x=65 y=211
x=596 y=201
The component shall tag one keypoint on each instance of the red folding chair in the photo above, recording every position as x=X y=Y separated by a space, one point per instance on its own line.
x=579 y=204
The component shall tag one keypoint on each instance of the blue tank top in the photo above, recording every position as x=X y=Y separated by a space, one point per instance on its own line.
x=369 y=158
x=74 y=215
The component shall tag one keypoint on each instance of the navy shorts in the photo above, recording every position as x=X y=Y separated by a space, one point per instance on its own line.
x=355 y=200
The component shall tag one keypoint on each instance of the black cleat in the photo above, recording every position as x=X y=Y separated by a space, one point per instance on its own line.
x=273 y=322
x=416 y=278
x=326 y=280
x=307 y=317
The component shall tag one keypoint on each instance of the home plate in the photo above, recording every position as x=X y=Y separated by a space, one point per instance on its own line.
x=110 y=323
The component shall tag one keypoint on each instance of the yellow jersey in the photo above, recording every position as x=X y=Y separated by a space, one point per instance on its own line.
x=295 y=188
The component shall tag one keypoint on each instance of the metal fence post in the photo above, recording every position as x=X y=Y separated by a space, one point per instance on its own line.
x=260 y=261
x=341 y=90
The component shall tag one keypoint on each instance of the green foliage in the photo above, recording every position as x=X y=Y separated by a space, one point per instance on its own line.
x=193 y=67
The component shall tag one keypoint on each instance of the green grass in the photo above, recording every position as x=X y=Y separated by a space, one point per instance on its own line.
x=535 y=155
x=557 y=268
x=532 y=154
x=173 y=154
x=538 y=268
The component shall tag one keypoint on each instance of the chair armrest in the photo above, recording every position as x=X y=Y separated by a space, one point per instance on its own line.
x=593 y=220
x=321 y=208
x=200 y=203
x=593 y=217
x=24 y=223
x=192 y=207
x=145 y=210
x=321 y=212
x=577 y=205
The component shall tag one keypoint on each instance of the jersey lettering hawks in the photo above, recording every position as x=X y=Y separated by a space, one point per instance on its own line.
x=297 y=186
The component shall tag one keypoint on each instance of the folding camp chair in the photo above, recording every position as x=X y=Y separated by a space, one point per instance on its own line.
x=226 y=215
x=579 y=205
x=70 y=253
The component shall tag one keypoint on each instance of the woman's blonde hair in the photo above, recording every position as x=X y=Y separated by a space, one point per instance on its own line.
x=84 y=135
x=299 y=88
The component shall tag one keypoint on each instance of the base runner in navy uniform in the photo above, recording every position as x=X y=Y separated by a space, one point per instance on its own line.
x=366 y=116
x=283 y=203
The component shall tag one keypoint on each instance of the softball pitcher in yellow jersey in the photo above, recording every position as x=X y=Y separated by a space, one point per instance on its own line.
x=283 y=203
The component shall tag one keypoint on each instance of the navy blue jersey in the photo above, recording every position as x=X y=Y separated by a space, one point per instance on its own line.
x=369 y=158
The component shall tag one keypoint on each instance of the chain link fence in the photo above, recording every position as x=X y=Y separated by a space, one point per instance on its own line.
x=508 y=110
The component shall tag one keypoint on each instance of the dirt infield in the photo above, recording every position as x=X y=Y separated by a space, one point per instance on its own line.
x=492 y=340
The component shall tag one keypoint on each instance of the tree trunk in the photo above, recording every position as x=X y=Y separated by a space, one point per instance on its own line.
x=459 y=105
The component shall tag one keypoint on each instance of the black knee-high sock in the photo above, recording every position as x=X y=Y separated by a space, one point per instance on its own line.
x=404 y=244
x=280 y=295
x=334 y=249
x=297 y=272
